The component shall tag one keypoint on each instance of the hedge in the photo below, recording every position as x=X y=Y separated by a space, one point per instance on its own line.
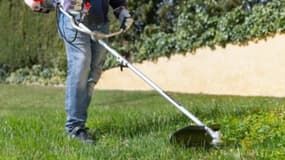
x=162 y=28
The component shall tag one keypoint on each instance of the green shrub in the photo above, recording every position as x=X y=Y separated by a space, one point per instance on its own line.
x=196 y=24
x=259 y=131
x=37 y=74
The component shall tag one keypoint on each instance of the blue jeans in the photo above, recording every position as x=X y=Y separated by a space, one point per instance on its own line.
x=85 y=59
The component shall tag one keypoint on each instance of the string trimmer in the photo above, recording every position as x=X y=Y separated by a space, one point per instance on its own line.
x=200 y=134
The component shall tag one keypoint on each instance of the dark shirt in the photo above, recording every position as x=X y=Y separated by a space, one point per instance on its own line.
x=99 y=10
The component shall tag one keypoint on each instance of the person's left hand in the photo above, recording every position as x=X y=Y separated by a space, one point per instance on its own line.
x=126 y=19
x=127 y=23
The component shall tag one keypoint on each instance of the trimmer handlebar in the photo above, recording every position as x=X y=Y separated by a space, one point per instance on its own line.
x=95 y=35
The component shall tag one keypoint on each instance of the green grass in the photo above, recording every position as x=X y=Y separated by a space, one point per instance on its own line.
x=137 y=125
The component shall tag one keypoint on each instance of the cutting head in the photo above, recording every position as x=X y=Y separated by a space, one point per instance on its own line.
x=196 y=136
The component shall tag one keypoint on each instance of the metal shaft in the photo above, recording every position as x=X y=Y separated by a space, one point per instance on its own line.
x=151 y=83
x=156 y=87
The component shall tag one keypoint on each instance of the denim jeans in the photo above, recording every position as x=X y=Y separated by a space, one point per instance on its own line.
x=85 y=59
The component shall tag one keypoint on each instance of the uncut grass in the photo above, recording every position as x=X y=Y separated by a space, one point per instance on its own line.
x=126 y=125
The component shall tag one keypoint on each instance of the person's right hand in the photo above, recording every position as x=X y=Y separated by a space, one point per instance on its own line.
x=35 y=5
x=42 y=6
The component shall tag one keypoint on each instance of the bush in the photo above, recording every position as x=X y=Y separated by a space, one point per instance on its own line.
x=37 y=74
x=206 y=24
x=163 y=28
x=258 y=131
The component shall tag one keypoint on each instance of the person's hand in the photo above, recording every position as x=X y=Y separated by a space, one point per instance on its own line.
x=34 y=5
x=127 y=23
x=42 y=6
x=126 y=19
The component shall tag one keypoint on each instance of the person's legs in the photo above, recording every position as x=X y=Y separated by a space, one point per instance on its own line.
x=78 y=51
x=85 y=59
x=97 y=61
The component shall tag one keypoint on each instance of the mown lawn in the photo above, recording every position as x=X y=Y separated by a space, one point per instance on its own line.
x=137 y=125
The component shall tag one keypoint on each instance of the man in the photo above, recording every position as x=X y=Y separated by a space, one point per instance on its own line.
x=85 y=58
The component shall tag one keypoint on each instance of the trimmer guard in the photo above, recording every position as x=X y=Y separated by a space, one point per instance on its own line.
x=192 y=136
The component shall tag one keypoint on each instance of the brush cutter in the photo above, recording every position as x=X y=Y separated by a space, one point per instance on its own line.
x=200 y=134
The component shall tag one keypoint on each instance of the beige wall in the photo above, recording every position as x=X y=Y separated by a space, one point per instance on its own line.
x=255 y=69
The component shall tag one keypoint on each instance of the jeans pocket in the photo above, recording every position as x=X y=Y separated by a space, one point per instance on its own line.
x=65 y=29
